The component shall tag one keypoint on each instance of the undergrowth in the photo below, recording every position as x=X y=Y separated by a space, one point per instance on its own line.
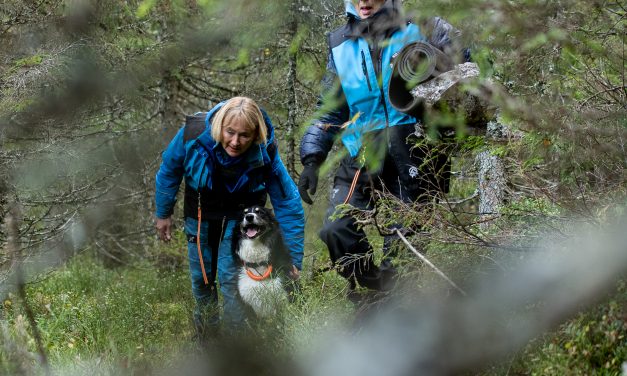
x=136 y=319
x=592 y=343
x=91 y=316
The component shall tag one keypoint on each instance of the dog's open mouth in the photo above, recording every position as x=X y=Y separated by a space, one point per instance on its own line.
x=251 y=231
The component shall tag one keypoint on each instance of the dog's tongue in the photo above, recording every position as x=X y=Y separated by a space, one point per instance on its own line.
x=251 y=232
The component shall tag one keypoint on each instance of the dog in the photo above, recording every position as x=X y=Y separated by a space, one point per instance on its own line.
x=258 y=248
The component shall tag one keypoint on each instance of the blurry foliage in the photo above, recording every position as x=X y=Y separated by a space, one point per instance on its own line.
x=29 y=61
x=99 y=88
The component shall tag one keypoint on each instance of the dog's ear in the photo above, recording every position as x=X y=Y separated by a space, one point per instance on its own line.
x=272 y=217
x=270 y=213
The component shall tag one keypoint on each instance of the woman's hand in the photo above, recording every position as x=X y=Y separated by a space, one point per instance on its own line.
x=294 y=273
x=164 y=228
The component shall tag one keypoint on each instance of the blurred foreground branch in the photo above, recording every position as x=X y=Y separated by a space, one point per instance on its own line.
x=14 y=250
x=448 y=334
x=461 y=334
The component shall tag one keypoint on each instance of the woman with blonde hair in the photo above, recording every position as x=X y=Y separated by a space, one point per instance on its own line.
x=229 y=160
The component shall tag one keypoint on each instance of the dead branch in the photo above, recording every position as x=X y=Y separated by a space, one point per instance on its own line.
x=429 y=263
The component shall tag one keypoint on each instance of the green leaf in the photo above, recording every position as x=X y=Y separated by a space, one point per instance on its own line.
x=243 y=57
x=145 y=7
x=535 y=42
x=30 y=61
x=298 y=40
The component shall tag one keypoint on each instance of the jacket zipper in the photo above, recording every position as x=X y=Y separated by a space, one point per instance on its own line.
x=365 y=69
x=385 y=108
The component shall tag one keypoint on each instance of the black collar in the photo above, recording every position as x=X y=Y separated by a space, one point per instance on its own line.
x=380 y=25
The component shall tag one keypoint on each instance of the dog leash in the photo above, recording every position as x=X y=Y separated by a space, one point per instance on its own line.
x=202 y=263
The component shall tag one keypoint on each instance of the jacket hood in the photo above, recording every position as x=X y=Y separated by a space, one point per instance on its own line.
x=351 y=11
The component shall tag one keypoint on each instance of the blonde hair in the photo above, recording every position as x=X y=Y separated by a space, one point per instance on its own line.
x=241 y=108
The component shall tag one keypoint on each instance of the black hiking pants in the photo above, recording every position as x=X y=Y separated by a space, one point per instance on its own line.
x=409 y=173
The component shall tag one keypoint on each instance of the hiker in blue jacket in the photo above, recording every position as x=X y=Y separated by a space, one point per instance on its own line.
x=229 y=160
x=356 y=87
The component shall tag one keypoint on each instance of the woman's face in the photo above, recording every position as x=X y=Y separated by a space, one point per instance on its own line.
x=367 y=8
x=237 y=136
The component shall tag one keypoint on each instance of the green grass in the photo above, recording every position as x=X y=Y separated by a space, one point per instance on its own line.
x=137 y=318
x=86 y=312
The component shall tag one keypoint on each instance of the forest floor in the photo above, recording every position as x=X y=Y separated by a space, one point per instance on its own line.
x=136 y=319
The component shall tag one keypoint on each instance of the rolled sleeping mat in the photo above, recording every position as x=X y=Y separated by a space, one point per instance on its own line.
x=416 y=63
x=425 y=79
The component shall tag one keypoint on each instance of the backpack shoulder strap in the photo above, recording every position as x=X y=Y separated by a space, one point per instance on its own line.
x=194 y=126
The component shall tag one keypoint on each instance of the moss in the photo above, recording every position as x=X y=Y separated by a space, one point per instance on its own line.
x=30 y=61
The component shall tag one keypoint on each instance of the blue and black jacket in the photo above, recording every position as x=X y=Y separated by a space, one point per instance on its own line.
x=226 y=185
x=358 y=75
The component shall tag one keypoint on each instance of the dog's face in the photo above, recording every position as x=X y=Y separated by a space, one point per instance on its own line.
x=256 y=221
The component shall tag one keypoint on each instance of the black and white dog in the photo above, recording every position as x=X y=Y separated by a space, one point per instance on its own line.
x=259 y=249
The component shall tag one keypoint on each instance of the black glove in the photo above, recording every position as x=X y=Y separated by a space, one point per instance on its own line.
x=308 y=181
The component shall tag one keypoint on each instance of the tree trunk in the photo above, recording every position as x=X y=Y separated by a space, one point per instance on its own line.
x=290 y=159
x=492 y=178
x=171 y=119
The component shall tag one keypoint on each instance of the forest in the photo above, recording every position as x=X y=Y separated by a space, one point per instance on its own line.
x=519 y=268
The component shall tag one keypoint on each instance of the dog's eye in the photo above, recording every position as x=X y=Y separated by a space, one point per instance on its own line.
x=256 y=210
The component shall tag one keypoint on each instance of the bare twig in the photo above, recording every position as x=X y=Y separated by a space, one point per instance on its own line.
x=426 y=261
x=462 y=200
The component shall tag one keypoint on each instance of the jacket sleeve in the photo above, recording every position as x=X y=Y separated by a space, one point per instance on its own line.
x=332 y=111
x=169 y=176
x=288 y=209
x=445 y=37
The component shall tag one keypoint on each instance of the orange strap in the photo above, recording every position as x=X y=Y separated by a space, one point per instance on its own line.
x=259 y=277
x=353 y=184
x=202 y=264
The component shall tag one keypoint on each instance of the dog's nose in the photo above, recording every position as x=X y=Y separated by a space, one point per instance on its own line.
x=249 y=217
